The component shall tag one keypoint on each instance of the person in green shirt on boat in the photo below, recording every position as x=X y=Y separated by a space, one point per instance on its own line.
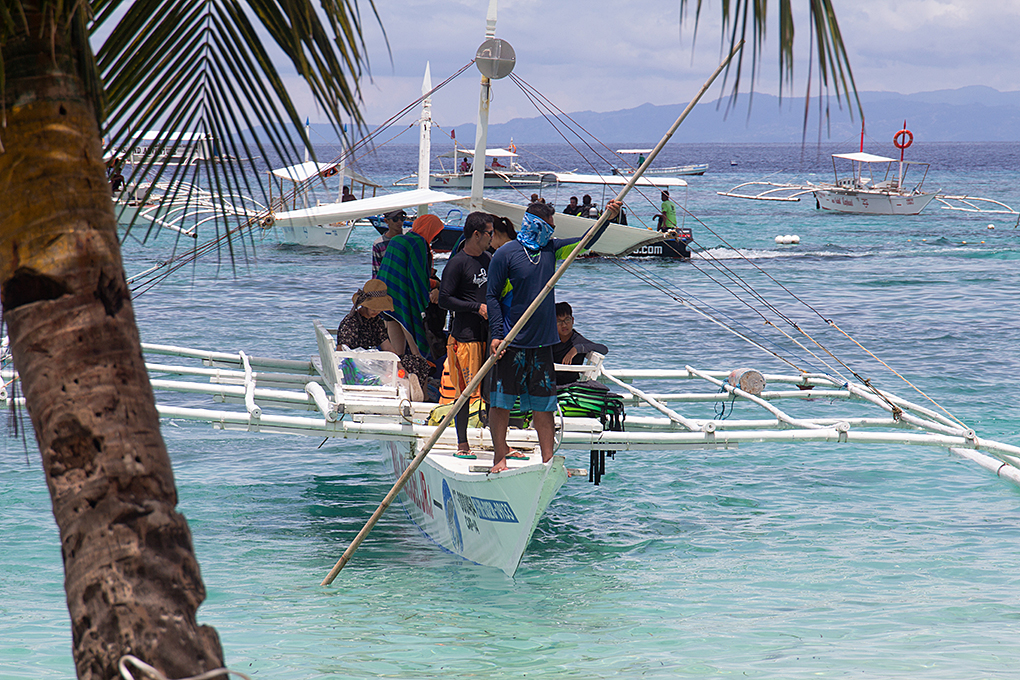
x=668 y=220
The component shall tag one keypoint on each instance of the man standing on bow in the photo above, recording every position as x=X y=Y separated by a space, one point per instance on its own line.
x=525 y=370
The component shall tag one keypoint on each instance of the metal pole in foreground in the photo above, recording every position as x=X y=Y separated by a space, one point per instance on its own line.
x=466 y=394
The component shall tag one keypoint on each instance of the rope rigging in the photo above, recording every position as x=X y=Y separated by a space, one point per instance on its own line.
x=725 y=276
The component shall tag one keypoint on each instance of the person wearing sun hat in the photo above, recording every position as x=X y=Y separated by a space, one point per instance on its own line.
x=363 y=327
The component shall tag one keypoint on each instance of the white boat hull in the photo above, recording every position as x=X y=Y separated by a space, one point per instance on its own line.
x=872 y=202
x=333 y=236
x=492 y=180
x=487 y=519
x=673 y=170
x=618 y=239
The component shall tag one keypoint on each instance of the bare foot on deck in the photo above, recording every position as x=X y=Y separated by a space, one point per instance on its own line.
x=499 y=467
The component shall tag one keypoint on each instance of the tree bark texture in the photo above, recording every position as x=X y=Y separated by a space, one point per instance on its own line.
x=133 y=583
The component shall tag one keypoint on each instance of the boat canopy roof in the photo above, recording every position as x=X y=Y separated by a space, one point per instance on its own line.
x=864 y=157
x=352 y=210
x=489 y=153
x=616 y=180
x=634 y=150
x=160 y=136
x=309 y=169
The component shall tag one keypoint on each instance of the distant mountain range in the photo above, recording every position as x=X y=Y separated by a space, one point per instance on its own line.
x=968 y=114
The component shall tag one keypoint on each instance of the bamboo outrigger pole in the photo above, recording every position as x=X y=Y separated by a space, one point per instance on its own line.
x=490 y=362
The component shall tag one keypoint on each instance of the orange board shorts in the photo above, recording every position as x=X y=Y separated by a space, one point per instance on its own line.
x=463 y=360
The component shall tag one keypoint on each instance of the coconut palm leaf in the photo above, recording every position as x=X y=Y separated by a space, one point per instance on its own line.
x=741 y=17
x=200 y=66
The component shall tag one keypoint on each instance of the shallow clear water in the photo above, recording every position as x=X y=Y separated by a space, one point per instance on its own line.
x=764 y=561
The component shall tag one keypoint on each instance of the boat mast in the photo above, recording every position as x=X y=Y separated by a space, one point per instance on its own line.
x=343 y=165
x=308 y=136
x=860 y=165
x=899 y=180
x=482 y=133
x=425 y=139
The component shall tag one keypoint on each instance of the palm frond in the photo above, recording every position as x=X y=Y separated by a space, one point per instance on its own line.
x=201 y=66
x=741 y=17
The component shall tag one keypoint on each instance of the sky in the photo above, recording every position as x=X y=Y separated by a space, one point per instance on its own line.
x=607 y=55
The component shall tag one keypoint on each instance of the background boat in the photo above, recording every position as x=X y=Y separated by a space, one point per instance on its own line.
x=657 y=170
x=300 y=187
x=873 y=185
x=509 y=174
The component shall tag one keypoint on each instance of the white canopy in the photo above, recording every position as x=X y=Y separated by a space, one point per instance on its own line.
x=489 y=153
x=615 y=180
x=863 y=157
x=170 y=137
x=309 y=169
x=352 y=210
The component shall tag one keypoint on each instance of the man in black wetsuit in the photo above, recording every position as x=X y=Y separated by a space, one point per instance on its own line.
x=462 y=291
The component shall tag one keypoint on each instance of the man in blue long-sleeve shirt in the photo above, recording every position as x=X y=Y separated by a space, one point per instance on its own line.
x=521 y=269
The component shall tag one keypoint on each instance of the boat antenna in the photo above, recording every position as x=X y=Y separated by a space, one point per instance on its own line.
x=483 y=371
x=495 y=59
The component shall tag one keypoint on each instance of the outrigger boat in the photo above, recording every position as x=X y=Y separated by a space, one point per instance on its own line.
x=180 y=206
x=292 y=204
x=489 y=519
x=869 y=185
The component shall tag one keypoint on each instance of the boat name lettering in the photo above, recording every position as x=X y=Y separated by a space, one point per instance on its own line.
x=649 y=250
x=494 y=511
x=417 y=489
x=468 y=510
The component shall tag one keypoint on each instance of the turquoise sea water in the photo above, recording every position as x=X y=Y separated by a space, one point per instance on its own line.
x=769 y=561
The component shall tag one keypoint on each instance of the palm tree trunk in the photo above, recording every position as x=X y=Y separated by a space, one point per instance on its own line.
x=133 y=583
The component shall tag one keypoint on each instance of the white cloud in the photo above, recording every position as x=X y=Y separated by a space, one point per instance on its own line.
x=605 y=55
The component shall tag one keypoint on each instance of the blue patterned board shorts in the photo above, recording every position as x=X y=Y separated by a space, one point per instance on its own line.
x=525 y=373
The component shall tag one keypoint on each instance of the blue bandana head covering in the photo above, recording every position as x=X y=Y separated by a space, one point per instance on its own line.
x=535 y=232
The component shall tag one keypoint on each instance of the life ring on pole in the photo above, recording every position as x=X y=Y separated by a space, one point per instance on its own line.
x=901 y=144
x=329 y=172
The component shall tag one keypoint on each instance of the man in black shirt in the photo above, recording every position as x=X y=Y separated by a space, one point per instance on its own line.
x=572 y=347
x=462 y=291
